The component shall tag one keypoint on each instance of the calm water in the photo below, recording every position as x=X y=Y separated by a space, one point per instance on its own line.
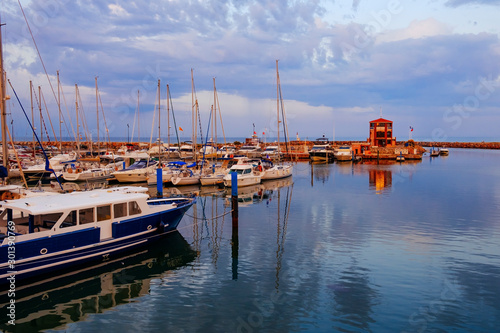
x=339 y=247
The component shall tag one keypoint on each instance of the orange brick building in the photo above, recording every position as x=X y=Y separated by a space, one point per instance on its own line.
x=381 y=133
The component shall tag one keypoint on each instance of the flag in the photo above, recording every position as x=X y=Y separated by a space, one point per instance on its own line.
x=411 y=129
x=263 y=133
x=180 y=129
x=254 y=132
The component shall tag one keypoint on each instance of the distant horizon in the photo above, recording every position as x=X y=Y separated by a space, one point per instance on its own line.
x=273 y=139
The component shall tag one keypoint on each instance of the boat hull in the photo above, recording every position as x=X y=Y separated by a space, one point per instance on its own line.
x=277 y=172
x=46 y=254
x=243 y=181
x=321 y=156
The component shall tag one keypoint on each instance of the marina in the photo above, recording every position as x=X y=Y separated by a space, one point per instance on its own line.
x=336 y=247
x=191 y=229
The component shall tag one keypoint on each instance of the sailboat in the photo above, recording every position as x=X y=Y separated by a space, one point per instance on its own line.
x=279 y=170
x=189 y=175
x=90 y=169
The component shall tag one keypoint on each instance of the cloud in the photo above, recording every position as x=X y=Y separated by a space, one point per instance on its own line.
x=458 y=3
x=415 y=30
x=355 y=5
x=330 y=72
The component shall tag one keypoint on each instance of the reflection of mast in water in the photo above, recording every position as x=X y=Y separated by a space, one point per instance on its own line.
x=56 y=301
x=319 y=171
x=211 y=226
x=281 y=231
x=196 y=231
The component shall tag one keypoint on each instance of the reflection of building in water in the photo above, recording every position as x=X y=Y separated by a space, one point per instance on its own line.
x=380 y=179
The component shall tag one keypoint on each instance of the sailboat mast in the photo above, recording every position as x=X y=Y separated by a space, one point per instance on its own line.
x=32 y=117
x=214 y=121
x=40 y=110
x=193 y=120
x=77 y=121
x=159 y=132
x=168 y=121
x=278 y=103
x=138 y=123
x=3 y=97
x=59 y=107
x=97 y=112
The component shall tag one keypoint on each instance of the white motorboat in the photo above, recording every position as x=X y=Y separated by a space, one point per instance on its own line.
x=343 y=153
x=137 y=172
x=246 y=175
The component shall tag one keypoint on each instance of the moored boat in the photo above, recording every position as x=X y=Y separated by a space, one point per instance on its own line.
x=444 y=151
x=275 y=171
x=137 y=172
x=64 y=230
x=246 y=175
x=434 y=152
x=343 y=153
x=321 y=153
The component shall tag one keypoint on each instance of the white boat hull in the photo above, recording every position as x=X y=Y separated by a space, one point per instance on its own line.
x=276 y=172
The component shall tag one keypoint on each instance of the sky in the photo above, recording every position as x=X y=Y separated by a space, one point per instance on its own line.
x=431 y=65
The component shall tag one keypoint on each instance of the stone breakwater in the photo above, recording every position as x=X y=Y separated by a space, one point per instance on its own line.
x=295 y=145
x=473 y=145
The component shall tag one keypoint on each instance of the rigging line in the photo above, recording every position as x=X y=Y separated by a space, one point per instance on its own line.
x=48 y=115
x=285 y=127
x=47 y=164
x=173 y=117
x=42 y=119
x=220 y=117
x=81 y=111
x=19 y=164
x=37 y=50
x=104 y=118
x=69 y=117
x=205 y=148
x=205 y=219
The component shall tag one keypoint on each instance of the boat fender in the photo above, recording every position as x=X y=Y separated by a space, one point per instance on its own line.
x=161 y=227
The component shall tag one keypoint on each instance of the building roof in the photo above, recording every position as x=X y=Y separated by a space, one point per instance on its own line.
x=381 y=120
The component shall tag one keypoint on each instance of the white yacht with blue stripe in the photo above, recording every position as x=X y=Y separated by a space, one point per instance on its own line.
x=45 y=233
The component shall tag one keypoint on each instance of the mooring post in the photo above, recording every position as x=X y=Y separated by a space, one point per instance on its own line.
x=234 y=236
x=159 y=181
x=234 y=199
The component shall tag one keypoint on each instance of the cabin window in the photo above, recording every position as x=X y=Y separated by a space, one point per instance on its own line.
x=103 y=213
x=45 y=221
x=86 y=215
x=70 y=220
x=133 y=208
x=120 y=210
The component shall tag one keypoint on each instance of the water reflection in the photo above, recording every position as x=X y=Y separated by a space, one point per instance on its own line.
x=380 y=180
x=320 y=172
x=354 y=299
x=71 y=297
